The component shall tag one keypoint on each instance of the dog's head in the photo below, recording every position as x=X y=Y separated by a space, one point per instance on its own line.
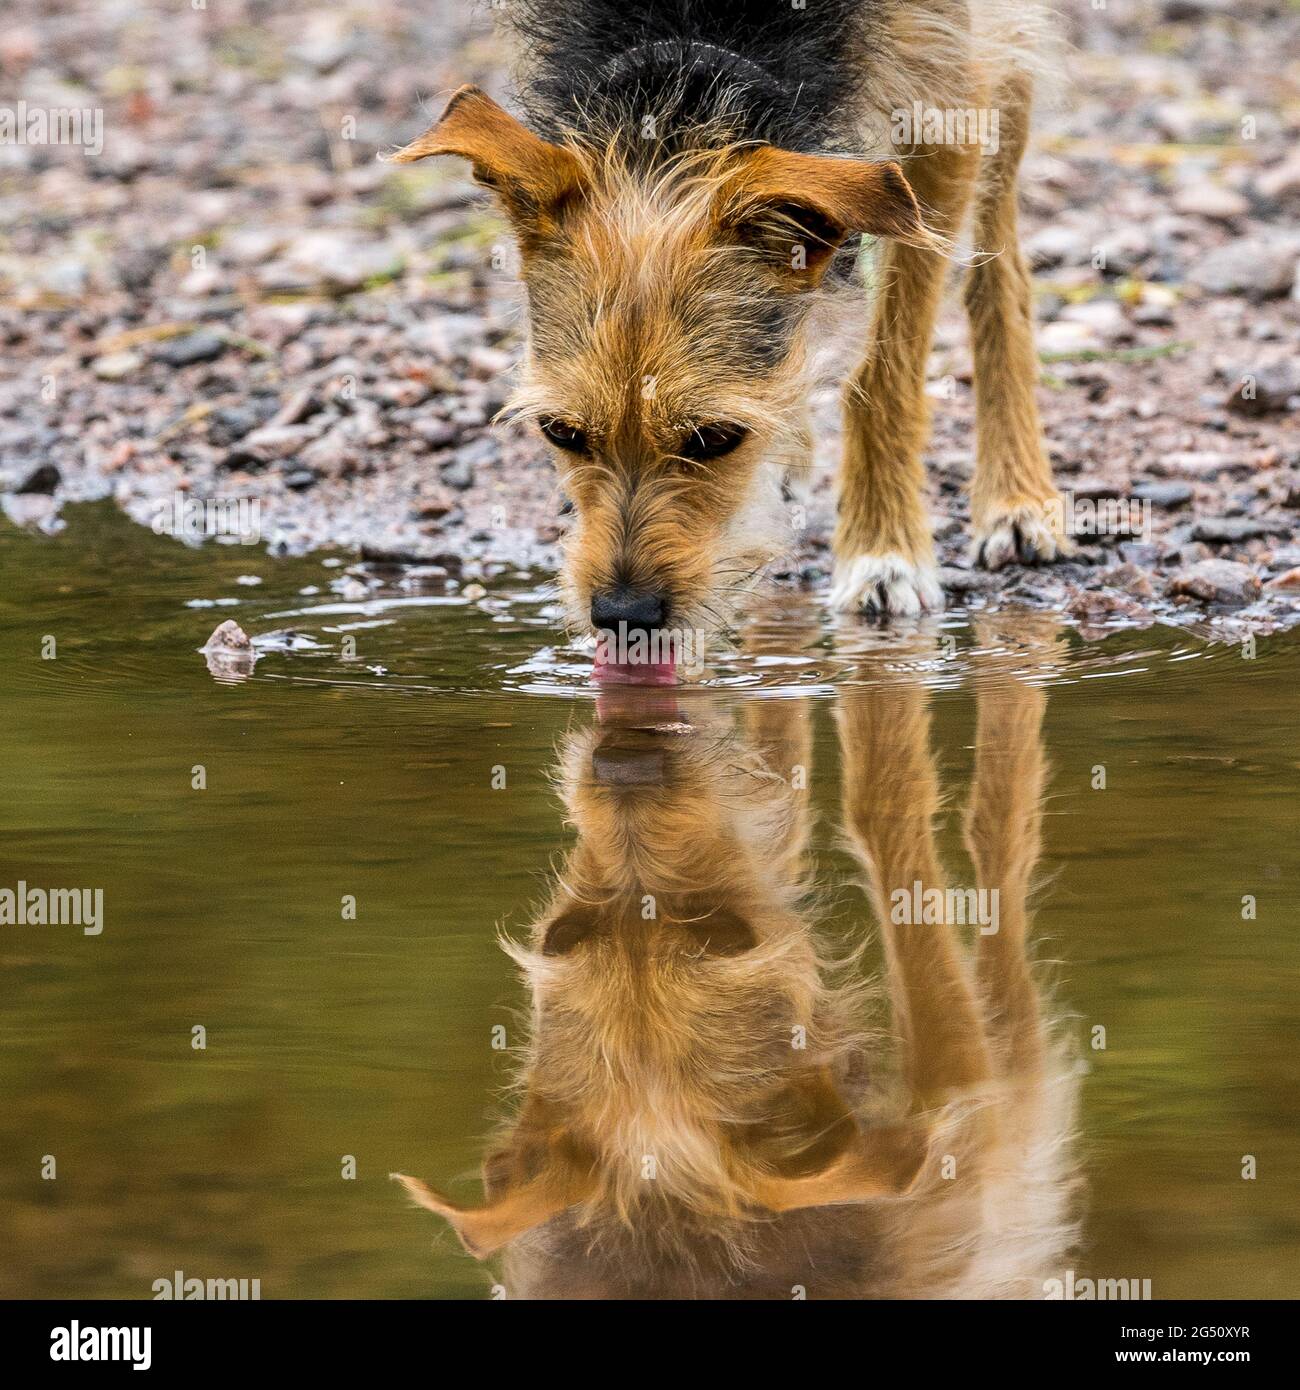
x=667 y=367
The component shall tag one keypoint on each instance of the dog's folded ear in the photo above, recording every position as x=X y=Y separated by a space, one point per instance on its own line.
x=506 y=1216
x=534 y=178
x=799 y=208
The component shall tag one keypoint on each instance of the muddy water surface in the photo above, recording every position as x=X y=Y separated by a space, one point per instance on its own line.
x=1138 y=801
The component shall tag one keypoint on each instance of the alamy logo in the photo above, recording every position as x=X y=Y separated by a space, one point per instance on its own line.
x=933 y=125
x=53 y=125
x=54 y=907
x=1069 y=515
x=193 y=518
x=1087 y=1290
x=683 y=648
x=192 y=1289
x=77 y=1343
x=948 y=907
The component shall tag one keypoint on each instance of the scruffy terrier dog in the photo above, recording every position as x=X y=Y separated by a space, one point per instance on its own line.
x=704 y=1107
x=696 y=180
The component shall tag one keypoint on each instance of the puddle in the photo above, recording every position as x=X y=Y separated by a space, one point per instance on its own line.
x=311 y=859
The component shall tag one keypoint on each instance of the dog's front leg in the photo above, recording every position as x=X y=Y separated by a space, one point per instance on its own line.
x=884 y=552
x=1015 y=509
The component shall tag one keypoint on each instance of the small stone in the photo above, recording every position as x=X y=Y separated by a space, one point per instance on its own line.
x=1141 y=553
x=1196 y=10
x=1069 y=337
x=230 y=423
x=1282 y=181
x=300 y=479
x=1129 y=578
x=1212 y=201
x=1055 y=245
x=958 y=581
x=264 y=445
x=1094 y=488
x=1222 y=530
x=229 y=653
x=1097 y=605
x=437 y=434
x=458 y=472
x=1199 y=463
x=1103 y=316
x=1217 y=581
x=117 y=366
x=43 y=479
x=1123 y=251
x=1269 y=388
x=189 y=348
x=1253 y=267
x=230 y=637
x=1289 y=580
x=335 y=453
x=1167 y=495
x=1153 y=316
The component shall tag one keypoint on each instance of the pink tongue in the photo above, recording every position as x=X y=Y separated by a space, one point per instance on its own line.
x=634 y=673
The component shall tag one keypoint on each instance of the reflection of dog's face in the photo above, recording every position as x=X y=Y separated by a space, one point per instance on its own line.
x=672 y=969
x=678 y=1090
x=678 y=994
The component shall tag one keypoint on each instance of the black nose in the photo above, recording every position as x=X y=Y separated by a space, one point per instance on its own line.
x=632 y=610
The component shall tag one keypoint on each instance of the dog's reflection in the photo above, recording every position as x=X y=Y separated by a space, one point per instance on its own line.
x=711 y=1105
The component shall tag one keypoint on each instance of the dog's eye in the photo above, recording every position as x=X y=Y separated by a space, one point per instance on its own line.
x=712 y=441
x=564 y=435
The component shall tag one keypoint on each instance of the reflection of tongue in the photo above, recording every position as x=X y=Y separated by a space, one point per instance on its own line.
x=634 y=673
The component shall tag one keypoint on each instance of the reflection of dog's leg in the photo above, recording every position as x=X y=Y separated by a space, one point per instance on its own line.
x=1003 y=835
x=891 y=795
x=779 y=730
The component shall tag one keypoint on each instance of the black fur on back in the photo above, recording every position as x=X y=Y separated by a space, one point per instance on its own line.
x=759 y=70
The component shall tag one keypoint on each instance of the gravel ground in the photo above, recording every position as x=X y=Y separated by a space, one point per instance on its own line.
x=235 y=300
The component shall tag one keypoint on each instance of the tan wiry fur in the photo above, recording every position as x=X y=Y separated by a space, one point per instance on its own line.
x=705 y=1107
x=648 y=295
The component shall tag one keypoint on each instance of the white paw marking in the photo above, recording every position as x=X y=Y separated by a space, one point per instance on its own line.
x=1023 y=534
x=886 y=584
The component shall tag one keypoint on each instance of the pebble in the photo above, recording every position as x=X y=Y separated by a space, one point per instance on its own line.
x=1217 y=581
x=1218 y=530
x=1211 y=200
x=117 y=366
x=43 y=479
x=1199 y=463
x=1254 y=267
x=1139 y=553
x=959 y=581
x=1131 y=579
x=228 y=637
x=1265 y=389
x=1103 y=316
x=189 y=348
x=1168 y=495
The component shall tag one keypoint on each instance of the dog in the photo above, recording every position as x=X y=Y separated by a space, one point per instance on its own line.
x=706 y=1109
x=690 y=192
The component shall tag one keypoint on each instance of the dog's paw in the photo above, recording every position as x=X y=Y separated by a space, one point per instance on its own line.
x=1024 y=533
x=886 y=585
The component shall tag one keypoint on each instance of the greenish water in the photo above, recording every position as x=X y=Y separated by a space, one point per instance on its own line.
x=379 y=778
